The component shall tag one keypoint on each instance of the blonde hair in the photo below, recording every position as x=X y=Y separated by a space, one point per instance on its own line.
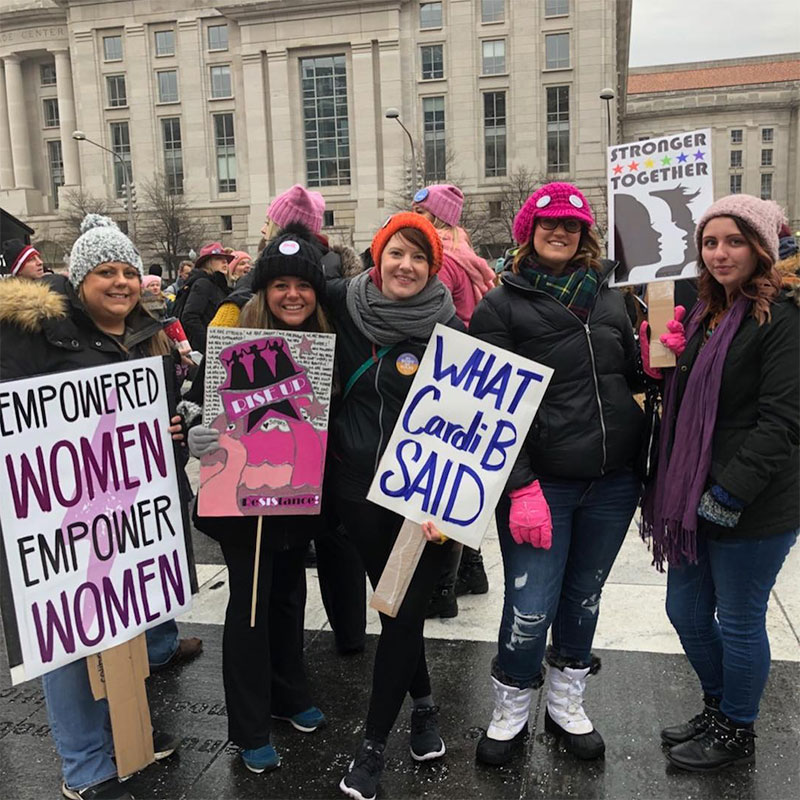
x=587 y=255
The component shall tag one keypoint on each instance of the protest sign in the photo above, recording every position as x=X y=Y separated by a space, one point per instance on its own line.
x=268 y=393
x=657 y=190
x=92 y=522
x=459 y=434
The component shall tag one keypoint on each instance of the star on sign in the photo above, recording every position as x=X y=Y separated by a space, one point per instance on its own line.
x=698 y=156
x=682 y=157
x=633 y=166
x=305 y=346
x=618 y=169
x=315 y=409
x=666 y=161
x=649 y=164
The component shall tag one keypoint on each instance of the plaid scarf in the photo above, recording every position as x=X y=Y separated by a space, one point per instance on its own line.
x=576 y=290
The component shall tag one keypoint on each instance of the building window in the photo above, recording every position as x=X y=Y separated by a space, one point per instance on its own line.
x=226 y=221
x=328 y=219
x=556 y=51
x=556 y=8
x=327 y=130
x=492 y=10
x=47 y=74
x=558 y=128
x=430 y=15
x=51 y=118
x=736 y=159
x=736 y=136
x=217 y=37
x=112 y=48
x=221 y=85
x=767 y=135
x=432 y=57
x=766 y=186
x=766 y=157
x=494 y=130
x=226 y=152
x=736 y=184
x=173 y=154
x=167 y=86
x=435 y=145
x=121 y=145
x=56 y=161
x=165 y=43
x=115 y=89
x=494 y=57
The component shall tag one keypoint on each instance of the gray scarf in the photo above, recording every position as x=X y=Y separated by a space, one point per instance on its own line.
x=386 y=321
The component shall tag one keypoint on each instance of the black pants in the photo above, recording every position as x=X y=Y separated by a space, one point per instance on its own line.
x=400 y=664
x=262 y=667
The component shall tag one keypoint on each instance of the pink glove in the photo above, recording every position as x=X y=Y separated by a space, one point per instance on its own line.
x=530 y=517
x=644 y=346
x=675 y=340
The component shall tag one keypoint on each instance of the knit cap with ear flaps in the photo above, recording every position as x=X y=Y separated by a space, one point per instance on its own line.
x=100 y=242
x=407 y=219
x=552 y=200
x=765 y=217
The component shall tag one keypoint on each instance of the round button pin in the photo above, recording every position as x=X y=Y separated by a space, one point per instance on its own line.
x=576 y=201
x=288 y=248
x=543 y=201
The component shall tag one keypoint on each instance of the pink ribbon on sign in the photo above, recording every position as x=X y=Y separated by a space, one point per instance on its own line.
x=241 y=402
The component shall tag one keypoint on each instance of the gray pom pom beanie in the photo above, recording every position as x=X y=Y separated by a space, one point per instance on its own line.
x=100 y=241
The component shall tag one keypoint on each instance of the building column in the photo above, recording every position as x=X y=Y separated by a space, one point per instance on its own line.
x=18 y=124
x=280 y=123
x=66 y=113
x=6 y=162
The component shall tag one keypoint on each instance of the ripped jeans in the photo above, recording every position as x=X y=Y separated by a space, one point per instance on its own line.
x=561 y=586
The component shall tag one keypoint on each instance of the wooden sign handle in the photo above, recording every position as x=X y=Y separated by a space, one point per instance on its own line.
x=399 y=569
x=660 y=301
x=256 y=562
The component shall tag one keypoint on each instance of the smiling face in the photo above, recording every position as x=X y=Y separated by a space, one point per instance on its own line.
x=727 y=254
x=110 y=292
x=557 y=247
x=291 y=300
x=404 y=268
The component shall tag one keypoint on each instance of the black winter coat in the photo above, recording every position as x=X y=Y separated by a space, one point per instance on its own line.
x=588 y=423
x=755 y=454
x=364 y=420
x=205 y=291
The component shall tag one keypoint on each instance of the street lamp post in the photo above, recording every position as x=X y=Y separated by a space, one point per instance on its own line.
x=80 y=136
x=608 y=95
x=393 y=113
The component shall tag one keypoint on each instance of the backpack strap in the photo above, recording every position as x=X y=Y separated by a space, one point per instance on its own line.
x=376 y=356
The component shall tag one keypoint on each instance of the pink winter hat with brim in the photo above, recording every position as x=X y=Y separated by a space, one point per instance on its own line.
x=443 y=201
x=552 y=200
x=765 y=217
x=298 y=205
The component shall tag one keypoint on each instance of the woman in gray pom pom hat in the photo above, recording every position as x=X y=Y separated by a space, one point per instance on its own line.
x=92 y=318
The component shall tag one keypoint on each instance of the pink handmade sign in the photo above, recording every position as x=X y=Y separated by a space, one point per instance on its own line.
x=267 y=392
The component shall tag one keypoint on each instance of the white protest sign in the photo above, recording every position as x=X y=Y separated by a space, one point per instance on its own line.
x=91 y=517
x=657 y=190
x=459 y=434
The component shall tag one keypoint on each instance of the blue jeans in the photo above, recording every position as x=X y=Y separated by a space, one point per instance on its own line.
x=719 y=609
x=162 y=642
x=561 y=586
x=80 y=725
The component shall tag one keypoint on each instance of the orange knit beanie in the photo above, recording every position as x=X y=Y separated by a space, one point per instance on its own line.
x=407 y=219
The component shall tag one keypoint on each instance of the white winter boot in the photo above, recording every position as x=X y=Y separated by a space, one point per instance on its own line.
x=509 y=726
x=564 y=715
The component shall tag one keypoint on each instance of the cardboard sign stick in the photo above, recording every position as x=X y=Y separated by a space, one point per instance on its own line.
x=399 y=569
x=256 y=562
x=660 y=301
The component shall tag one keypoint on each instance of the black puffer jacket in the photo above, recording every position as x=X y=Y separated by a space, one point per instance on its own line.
x=204 y=292
x=364 y=420
x=588 y=423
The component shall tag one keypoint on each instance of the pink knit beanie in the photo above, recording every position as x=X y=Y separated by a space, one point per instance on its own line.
x=551 y=200
x=298 y=205
x=443 y=201
x=765 y=217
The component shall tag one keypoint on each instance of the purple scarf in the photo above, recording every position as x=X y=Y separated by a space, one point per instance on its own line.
x=669 y=507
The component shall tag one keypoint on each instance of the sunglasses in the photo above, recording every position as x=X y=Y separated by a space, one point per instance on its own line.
x=569 y=224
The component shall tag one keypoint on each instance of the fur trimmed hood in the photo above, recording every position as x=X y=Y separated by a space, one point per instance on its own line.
x=352 y=264
x=29 y=304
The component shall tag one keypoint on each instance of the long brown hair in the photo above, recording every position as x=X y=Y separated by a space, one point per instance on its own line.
x=587 y=255
x=256 y=314
x=762 y=287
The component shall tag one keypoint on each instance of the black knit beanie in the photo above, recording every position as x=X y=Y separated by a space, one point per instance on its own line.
x=294 y=252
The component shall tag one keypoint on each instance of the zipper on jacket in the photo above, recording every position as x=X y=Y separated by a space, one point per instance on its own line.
x=380 y=419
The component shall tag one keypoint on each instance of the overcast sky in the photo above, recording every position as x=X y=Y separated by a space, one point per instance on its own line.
x=675 y=31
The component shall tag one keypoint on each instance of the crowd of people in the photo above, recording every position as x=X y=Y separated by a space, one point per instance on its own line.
x=718 y=480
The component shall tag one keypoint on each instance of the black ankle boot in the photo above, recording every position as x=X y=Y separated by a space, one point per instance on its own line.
x=472 y=576
x=443 y=603
x=676 y=734
x=721 y=744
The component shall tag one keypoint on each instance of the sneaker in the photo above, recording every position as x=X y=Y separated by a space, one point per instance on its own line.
x=306 y=721
x=164 y=745
x=675 y=734
x=261 y=759
x=425 y=741
x=111 y=789
x=442 y=604
x=364 y=773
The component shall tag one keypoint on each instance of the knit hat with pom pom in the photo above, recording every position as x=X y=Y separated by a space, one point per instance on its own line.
x=100 y=241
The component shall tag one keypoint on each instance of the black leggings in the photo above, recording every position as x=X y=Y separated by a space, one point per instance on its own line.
x=400 y=665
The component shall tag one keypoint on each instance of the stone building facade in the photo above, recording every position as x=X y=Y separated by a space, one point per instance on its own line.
x=234 y=101
x=750 y=104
